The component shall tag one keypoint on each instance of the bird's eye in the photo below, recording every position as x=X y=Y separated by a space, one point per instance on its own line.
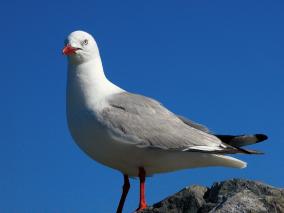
x=85 y=42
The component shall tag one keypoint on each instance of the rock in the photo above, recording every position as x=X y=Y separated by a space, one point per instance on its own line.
x=231 y=196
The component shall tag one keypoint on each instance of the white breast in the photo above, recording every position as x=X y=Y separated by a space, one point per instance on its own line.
x=87 y=92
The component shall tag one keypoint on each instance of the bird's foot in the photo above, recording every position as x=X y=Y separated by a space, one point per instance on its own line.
x=141 y=206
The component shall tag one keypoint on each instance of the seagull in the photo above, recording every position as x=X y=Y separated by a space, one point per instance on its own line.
x=134 y=134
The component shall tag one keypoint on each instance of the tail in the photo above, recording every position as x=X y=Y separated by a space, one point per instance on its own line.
x=228 y=161
x=238 y=141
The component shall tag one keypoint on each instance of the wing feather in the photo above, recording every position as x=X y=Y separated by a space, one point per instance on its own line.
x=144 y=122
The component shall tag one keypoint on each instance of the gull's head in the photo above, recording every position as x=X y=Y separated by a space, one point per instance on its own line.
x=80 y=47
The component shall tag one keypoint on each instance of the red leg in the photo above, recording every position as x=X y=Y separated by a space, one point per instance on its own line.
x=126 y=187
x=142 y=178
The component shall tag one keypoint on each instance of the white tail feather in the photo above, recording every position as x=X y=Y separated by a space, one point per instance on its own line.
x=231 y=162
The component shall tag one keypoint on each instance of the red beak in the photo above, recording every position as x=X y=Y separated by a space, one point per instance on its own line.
x=69 y=50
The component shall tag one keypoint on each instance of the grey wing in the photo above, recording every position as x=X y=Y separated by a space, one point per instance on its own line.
x=144 y=122
x=194 y=124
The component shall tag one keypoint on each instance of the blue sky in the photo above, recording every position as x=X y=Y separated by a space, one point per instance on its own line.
x=217 y=62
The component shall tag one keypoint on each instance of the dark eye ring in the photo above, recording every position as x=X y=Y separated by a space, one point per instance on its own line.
x=85 y=42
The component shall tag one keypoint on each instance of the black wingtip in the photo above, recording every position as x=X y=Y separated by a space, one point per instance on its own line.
x=261 y=137
x=249 y=151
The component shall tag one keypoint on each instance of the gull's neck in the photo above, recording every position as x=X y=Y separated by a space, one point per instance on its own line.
x=87 y=85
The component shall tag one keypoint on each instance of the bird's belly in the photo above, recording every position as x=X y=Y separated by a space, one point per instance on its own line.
x=97 y=142
x=128 y=158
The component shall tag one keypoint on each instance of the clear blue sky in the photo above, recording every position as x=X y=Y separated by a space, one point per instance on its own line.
x=220 y=63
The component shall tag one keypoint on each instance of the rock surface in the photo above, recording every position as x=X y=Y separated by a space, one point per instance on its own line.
x=233 y=196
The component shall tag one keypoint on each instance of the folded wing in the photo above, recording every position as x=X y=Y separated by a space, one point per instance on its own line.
x=145 y=123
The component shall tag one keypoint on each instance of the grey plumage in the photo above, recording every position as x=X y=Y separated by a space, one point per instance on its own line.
x=146 y=123
x=194 y=124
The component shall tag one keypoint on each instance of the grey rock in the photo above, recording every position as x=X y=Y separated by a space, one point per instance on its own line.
x=233 y=196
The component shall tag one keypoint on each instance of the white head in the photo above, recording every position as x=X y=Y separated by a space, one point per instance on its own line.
x=80 y=47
